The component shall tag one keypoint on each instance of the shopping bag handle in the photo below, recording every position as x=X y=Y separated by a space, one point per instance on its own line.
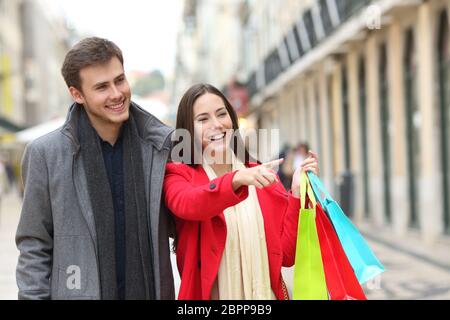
x=319 y=189
x=306 y=189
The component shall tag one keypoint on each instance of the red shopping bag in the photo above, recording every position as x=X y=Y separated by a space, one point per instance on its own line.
x=341 y=280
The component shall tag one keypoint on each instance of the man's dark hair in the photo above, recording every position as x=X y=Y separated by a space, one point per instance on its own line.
x=88 y=52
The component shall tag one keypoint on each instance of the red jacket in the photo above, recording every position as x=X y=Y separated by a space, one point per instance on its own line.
x=198 y=206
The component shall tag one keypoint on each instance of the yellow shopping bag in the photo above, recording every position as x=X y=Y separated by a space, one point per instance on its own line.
x=309 y=275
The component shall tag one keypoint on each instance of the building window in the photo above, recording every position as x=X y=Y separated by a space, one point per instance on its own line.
x=412 y=116
x=306 y=115
x=363 y=133
x=385 y=131
x=444 y=105
x=318 y=113
x=331 y=136
x=346 y=184
x=345 y=119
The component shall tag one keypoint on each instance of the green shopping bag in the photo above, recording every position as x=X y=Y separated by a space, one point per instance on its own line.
x=309 y=275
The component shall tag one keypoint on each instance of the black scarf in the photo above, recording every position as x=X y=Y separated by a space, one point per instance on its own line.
x=139 y=280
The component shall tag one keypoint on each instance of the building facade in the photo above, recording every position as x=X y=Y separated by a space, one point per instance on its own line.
x=33 y=43
x=46 y=40
x=12 y=113
x=209 y=44
x=367 y=84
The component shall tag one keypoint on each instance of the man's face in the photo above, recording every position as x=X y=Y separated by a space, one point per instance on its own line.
x=105 y=93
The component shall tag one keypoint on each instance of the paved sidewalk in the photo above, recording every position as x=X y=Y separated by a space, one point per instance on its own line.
x=9 y=218
x=414 y=271
x=408 y=277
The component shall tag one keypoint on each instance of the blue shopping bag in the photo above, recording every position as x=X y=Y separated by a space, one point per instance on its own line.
x=361 y=257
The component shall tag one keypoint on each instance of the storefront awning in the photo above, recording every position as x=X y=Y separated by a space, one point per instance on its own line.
x=8 y=125
x=35 y=132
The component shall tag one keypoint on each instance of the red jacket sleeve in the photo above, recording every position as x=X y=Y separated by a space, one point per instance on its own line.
x=197 y=203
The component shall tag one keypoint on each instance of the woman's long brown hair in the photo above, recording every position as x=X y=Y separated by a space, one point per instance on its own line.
x=185 y=120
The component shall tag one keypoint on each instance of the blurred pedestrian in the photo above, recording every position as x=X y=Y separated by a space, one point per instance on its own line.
x=9 y=168
x=3 y=183
x=300 y=154
x=285 y=179
x=294 y=159
x=92 y=224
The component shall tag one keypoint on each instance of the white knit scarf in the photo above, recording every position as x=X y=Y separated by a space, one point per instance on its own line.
x=244 y=268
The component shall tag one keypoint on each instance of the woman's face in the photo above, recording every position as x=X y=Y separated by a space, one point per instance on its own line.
x=212 y=123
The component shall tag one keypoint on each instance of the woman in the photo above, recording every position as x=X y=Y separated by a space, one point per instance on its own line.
x=236 y=224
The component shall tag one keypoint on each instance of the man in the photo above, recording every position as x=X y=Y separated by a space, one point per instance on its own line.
x=93 y=225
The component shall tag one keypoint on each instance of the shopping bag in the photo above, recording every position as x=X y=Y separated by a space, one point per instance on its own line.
x=341 y=280
x=309 y=277
x=362 y=259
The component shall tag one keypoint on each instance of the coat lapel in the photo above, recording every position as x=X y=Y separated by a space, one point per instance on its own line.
x=154 y=179
x=80 y=182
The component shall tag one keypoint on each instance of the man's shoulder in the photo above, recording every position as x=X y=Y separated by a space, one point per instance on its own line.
x=49 y=141
x=152 y=127
x=156 y=126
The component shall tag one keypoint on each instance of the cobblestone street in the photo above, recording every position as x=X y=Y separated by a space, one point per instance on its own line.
x=407 y=277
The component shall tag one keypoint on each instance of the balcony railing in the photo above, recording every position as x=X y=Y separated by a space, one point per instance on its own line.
x=348 y=8
x=315 y=25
